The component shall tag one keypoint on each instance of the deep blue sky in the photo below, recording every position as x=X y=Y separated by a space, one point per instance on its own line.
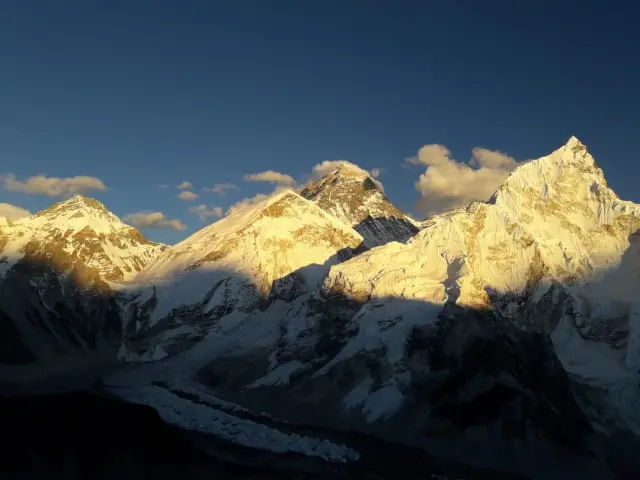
x=141 y=93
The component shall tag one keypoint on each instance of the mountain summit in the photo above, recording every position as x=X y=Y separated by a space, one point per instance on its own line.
x=352 y=196
x=79 y=231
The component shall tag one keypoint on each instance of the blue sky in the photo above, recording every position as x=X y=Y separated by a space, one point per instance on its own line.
x=141 y=93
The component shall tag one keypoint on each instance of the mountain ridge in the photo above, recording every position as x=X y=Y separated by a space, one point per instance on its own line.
x=499 y=308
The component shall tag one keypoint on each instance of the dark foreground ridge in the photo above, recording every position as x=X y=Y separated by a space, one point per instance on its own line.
x=81 y=435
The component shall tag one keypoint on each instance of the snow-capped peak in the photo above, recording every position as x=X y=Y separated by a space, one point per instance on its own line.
x=553 y=218
x=285 y=243
x=75 y=214
x=350 y=194
x=569 y=171
x=79 y=229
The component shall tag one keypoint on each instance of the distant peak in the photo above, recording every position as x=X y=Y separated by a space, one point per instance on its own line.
x=82 y=201
x=77 y=202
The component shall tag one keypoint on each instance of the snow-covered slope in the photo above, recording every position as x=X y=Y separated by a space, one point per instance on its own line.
x=55 y=272
x=79 y=230
x=503 y=335
x=274 y=251
x=553 y=220
x=476 y=339
x=351 y=195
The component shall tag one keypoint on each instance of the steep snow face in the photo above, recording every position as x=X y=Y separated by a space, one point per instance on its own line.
x=553 y=220
x=277 y=249
x=352 y=196
x=553 y=251
x=79 y=232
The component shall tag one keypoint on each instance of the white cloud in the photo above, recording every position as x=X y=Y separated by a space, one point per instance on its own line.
x=375 y=172
x=11 y=212
x=52 y=186
x=185 y=185
x=148 y=219
x=448 y=184
x=221 y=188
x=271 y=177
x=187 y=195
x=483 y=158
x=205 y=212
x=162 y=187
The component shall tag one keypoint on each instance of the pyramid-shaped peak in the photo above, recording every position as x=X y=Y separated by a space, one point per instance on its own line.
x=79 y=202
x=574 y=142
x=569 y=170
x=348 y=168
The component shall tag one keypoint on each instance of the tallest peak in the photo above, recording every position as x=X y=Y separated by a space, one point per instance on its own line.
x=77 y=202
x=573 y=142
x=82 y=200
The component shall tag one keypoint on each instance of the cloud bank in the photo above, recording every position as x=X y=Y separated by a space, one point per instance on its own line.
x=448 y=184
x=149 y=219
x=11 y=212
x=52 y=186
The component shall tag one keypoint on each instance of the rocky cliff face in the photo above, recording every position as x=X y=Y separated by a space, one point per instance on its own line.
x=352 y=196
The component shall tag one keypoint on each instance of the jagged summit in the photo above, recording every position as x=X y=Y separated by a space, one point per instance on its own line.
x=348 y=168
x=351 y=195
x=569 y=173
x=573 y=141
x=84 y=201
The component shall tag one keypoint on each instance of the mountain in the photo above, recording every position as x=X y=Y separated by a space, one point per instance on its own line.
x=267 y=254
x=502 y=336
x=56 y=274
x=76 y=232
x=352 y=196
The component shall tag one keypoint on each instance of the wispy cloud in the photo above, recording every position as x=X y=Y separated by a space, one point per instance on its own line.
x=271 y=177
x=206 y=212
x=162 y=187
x=52 y=186
x=185 y=185
x=11 y=212
x=221 y=188
x=187 y=195
x=149 y=219
x=448 y=184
